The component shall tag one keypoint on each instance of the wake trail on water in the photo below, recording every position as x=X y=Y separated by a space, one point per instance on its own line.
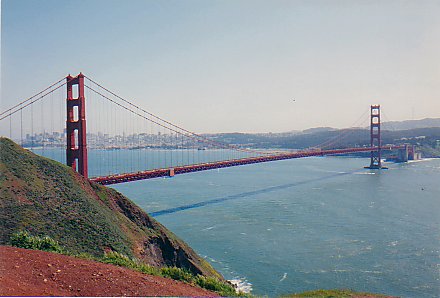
x=246 y=194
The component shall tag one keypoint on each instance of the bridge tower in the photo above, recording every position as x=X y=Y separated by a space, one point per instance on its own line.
x=76 y=151
x=375 y=138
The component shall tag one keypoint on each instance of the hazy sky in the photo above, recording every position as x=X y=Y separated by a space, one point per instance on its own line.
x=224 y=66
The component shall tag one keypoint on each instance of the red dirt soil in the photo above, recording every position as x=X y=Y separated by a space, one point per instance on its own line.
x=26 y=272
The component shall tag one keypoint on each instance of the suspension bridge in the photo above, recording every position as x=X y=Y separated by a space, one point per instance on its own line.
x=129 y=143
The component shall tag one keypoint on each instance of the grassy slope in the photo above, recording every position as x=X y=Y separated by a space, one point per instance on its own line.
x=334 y=294
x=48 y=198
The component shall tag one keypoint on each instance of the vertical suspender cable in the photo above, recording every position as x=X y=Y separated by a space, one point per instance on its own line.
x=193 y=151
x=43 y=128
x=164 y=147
x=171 y=147
x=147 y=146
x=176 y=143
x=133 y=144
x=181 y=139
x=139 y=150
x=187 y=150
x=113 y=143
x=10 y=127
x=32 y=127
x=63 y=133
x=106 y=135
x=21 y=127
x=153 y=166
x=51 y=126
x=157 y=137
x=117 y=152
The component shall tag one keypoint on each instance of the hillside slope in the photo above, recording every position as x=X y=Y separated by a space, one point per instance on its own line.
x=47 y=198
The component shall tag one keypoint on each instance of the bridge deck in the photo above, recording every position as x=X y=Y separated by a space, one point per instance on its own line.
x=127 y=177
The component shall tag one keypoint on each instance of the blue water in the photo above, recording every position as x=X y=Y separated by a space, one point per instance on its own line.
x=103 y=162
x=304 y=224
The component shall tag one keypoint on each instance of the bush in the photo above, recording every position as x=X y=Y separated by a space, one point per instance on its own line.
x=24 y=239
x=147 y=269
x=209 y=283
x=119 y=259
x=215 y=285
x=177 y=274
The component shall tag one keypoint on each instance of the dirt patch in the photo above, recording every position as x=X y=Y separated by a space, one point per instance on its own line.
x=37 y=273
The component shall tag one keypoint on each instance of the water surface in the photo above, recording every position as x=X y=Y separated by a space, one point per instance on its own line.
x=302 y=224
x=310 y=223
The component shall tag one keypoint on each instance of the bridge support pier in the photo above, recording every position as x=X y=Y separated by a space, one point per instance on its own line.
x=375 y=139
x=76 y=151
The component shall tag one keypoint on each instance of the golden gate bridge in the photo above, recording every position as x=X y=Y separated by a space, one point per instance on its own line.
x=177 y=149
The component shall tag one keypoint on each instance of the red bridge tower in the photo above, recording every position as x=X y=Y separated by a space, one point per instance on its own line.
x=76 y=152
x=375 y=138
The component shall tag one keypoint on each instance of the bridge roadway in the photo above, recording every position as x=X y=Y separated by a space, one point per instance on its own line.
x=166 y=172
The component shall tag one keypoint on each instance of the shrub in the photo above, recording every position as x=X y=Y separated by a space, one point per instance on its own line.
x=119 y=259
x=147 y=269
x=215 y=285
x=24 y=239
x=48 y=244
x=209 y=283
x=177 y=274
x=84 y=255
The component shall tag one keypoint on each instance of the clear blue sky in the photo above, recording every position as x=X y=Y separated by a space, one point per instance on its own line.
x=224 y=66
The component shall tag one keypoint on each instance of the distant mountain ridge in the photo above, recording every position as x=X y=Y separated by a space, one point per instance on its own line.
x=318 y=129
x=411 y=124
x=428 y=139
x=389 y=125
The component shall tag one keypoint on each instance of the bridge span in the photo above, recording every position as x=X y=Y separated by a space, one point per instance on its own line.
x=169 y=172
x=156 y=133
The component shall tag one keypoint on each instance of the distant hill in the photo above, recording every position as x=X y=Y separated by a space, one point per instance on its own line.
x=390 y=125
x=318 y=129
x=427 y=139
x=411 y=124
x=49 y=198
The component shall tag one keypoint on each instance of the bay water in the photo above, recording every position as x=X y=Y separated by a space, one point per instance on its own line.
x=304 y=224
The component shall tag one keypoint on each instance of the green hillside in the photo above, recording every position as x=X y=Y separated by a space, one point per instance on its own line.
x=45 y=197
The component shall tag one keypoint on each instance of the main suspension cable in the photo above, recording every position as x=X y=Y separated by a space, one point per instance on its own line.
x=26 y=100
x=174 y=128
x=12 y=112
x=173 y=125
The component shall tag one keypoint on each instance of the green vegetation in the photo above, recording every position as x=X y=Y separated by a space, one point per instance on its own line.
x=118 y=259
x=47 y=198
x=332 y=294
x=24 y=239
x=209 y=283
x=213 y=284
